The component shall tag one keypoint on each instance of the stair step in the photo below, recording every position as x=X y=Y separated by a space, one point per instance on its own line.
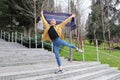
x=12 y=57
x=90 y=76
x=37 y=72
x=20 y=63
x=66 y=73
x=112 y=76
x=40 y=66
x=34 y=60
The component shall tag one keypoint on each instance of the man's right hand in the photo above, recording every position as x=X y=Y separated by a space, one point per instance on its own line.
x=73 y=15
x=41 y=11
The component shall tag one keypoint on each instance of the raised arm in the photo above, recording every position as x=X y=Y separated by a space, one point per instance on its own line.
x=45 y=23
x=66 y=21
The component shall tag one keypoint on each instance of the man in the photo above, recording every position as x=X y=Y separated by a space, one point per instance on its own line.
x=53 y=33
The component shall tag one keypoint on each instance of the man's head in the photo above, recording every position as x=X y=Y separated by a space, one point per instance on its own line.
x=53 y=22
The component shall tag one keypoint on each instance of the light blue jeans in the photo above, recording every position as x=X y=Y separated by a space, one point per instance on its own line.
x=56 y=45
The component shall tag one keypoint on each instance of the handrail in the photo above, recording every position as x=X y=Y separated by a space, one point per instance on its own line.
x=19 y=37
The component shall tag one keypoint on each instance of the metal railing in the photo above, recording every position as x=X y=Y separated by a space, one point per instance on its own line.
x=18 y=37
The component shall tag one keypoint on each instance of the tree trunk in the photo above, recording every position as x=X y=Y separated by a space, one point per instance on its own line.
x=25 y=31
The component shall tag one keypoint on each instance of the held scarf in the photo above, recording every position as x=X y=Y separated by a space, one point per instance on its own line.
x=59 y=17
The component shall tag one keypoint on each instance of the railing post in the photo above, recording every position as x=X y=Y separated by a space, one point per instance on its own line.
x=29 y=42
x=97 y=50
x=4 y=35
x=16 y=36
x=8 y=37
x=12 y=36
x=36 y=41
x=83 y=50
x=21 y=38
x=52 y=46
x=1 y=34
x=42 y=41
x=70 y=49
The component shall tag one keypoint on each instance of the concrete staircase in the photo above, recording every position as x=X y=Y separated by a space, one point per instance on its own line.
x=20 y=63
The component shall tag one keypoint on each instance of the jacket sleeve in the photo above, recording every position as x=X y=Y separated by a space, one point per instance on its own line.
x=45 y=23
x=62 y=25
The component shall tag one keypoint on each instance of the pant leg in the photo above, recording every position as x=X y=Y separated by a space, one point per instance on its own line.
x=56 y=44
x=64 y=43
x=57 y=56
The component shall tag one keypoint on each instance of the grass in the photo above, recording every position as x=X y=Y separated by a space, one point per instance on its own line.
x=112 y=58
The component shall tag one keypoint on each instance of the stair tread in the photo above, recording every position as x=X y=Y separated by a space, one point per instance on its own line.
x=38 y=66
x=88 y=75
x=65 y=73
x=28 y=66
x=106 y=77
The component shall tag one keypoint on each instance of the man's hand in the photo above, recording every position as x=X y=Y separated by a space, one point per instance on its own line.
x=73 y=15
x=41 y=11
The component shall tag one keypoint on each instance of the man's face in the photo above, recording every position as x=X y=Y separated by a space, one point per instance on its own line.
x=53 y=22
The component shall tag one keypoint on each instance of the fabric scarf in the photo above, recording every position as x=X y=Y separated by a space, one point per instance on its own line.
x=59 y=17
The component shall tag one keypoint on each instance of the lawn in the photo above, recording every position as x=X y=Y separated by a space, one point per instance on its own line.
x=112 y=58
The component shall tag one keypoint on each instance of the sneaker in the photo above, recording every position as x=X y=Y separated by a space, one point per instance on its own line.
x=79 y=50
x=59 y=71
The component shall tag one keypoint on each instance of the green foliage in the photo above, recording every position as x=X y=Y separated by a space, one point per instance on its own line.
x=4 y=18
x=100 y=26
x=21 y=11
x=94 y=29
x=47 y=44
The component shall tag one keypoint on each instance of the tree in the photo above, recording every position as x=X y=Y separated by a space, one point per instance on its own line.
x=22 y=11
x=102 y=20
x=94 y=28
x=4 y=17
x=48 y=5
